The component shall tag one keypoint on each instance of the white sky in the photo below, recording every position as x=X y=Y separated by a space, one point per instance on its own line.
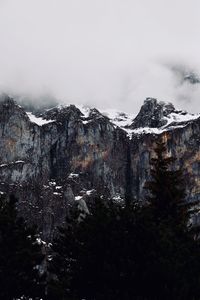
x=108 y=53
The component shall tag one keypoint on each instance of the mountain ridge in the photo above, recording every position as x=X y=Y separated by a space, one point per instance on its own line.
x=153 y=115
x=74 y=154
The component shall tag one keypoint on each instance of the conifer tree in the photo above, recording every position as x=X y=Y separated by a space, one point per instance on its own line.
x=131 y=251
x=167 y=190
x=171 y=270
x=20 y=256
x=61 y=261
x=94 y=259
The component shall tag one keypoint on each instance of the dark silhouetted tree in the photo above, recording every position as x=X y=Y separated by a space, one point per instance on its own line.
x=171 y=272
x=94 y=259
x=128 y=251
x=167 y=190
x=20 y=256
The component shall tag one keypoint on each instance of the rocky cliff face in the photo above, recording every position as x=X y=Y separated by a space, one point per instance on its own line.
x=70 y=153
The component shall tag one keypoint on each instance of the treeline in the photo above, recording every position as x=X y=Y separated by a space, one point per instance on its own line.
x=131 y=251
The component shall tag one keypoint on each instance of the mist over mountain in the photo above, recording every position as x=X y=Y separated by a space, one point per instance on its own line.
x=107 y=54
x=56 y=157
x=100 y=149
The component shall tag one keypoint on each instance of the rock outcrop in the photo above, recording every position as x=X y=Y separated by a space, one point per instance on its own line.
x=71 y=153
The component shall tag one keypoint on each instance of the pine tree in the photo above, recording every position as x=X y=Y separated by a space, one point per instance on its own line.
x=20 y=256
x=62 y=259
x=172 y=268
x=131 y=251
x=167 y=190
x=94 y=259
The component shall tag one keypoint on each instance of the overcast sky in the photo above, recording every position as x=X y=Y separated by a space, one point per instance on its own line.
x=105 y=53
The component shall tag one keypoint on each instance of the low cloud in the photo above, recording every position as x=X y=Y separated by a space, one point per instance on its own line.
x=108 y=53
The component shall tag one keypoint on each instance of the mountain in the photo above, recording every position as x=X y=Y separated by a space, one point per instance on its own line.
x=52 y=157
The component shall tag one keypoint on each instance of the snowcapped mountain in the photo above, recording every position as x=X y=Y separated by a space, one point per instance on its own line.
x=52 y=157
x=154 y=117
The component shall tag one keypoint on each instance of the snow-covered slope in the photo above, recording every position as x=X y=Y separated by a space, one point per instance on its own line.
x=167 y=119
x=174 y=120
x=38 y=120
x=154 y=117
x=78 y=149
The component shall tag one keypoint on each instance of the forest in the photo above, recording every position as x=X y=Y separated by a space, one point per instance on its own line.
x=132 y=250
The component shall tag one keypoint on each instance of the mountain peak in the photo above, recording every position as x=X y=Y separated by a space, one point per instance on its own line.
x=9 y=107
x=152 y=114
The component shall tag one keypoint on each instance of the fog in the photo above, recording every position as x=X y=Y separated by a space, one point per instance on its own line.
x=104 y=53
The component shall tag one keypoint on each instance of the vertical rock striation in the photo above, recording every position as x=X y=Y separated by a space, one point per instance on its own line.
x=68 y=153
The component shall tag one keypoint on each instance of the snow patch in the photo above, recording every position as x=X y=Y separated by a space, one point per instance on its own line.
x=85 y=110
x=58 y=187
x=57 y=194
x=117 y=198
x=73 y=175
x=77 y=198
x=89 y=192
x=38 y=120
x=40 y=241
x=12 y=163
x=3 y=165
x=178 y=118
x=86 y=121
x=52 y=183
x=120 y=119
